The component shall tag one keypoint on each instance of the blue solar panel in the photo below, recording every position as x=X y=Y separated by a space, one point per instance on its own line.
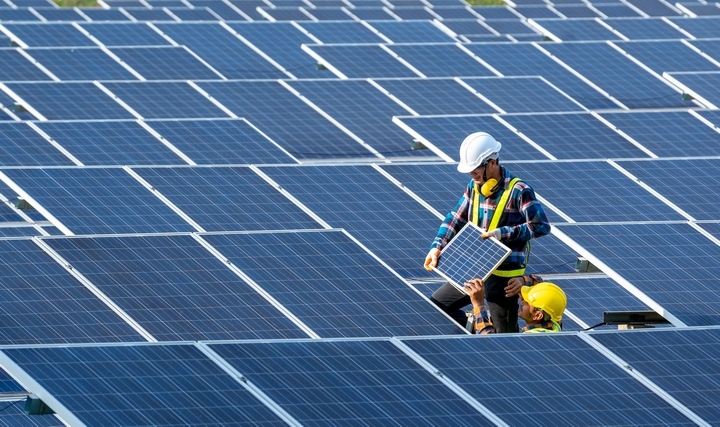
x=586 y=387
x=224 y=10
x=332 y=284
x=59 y=15
x=152 y=385
x=359 y=199
x=576 y=11
x=435 y=96
x=496 y=12
x=342 y=32
x=10 y=194
x=249 y=8
x=22 y=146
x=349 y=383
x=110 y=143
x=100 y=15
x=668 y=134
x=451 y=12
x=411 y=31
x=575 y=29
x=654 y=8
x=286 y=119
x=220 y=141
x=362 y=61
x=618 y=75
x=681 y=362
x=510 y=26
x=618 y=10
x=593 y=191
x=222 y=50
x=409 y=12
x=328 y=14
x=68 y=101
x=467 y=27
x=446 y=134
x=98 y=201
x=13 y=15
x=671 y=263
x=438 y=184
x=125 y=34
x=696 y=200
x=14 y=66
x=226 y=199
x=709 y=47
x=165 y=100
x=165 y=63
x=645 y=29
x=574 y=136
x=144 y=14
x=286 y=14
x=712 y=228
x=535 y=12
x=81 y=64
x=8 y=214
x=703 y=84
x=15 y=416
x=441 y=60
x=197 y=14
x=281 y=42
x=519 y=59
x=523 y=95
x=175 y=288
x=468 y=256
x=700 y=9
x=371 y=13
x=48 y=34
x=364 y=110
x=26 y=230
x=43 y=303
x=668 y=56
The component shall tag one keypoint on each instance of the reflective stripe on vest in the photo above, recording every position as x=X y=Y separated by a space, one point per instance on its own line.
x=556 y=328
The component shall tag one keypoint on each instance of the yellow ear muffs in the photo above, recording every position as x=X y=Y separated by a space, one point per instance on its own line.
x=488 y=187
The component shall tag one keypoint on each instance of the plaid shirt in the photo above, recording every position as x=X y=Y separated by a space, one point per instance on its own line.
x=483 y=325
x=523 y=219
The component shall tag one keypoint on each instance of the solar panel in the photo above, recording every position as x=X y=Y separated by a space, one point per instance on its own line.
x=575 y=29
x=698 y=85
x=286 y=119
x=226 y=199
x=535 y=12
x=574 y=136
x=654 y=8
x=163 y=100
x=43 y=303
x=682 y=363
x=197 y=14
x=22 y=146
x=435 y=96
x=668 y=56
x=468 y=256
x=593 y=192
x=438 y=184
x=284 y=14
x=467 y=27
x=617 y=75
x=110 y=143
x=709 y=47
x=222 y=50
x=59 y=15
x=281 y=41
x=81 y=64
x=587 y=387
x=358 y=199
x=361 y=61
x=332 y=284
x=48 y=34
x=700 y=9
x=364 y=110
x=672 y=264
x=100 y=15
x=341 y=32
x=371 y=13
x=68 y=101
x=451 y=12
x=440 y=60
x=98 y=201
x=576 y=11
x=701 y=27
x=152 y=385
x=496 y=12
x=249 y=8
x=407 y=13
x=523 y=94
x=175 y=288
x=225 y=10
x=446 y=133
x=645 y=29
x=354 y=383
x=125 y=34
x=618 y=10
x=165 y=63
x=696 y=200
x=520 y=59
x=668 y=134
x=411 y=31
x=144 y=14
x=14 y=66
x=17 y=15
x=511 y=26
x=230 y=141
x=15 y=415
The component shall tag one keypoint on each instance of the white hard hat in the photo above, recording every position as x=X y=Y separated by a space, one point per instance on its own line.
x=476 y=149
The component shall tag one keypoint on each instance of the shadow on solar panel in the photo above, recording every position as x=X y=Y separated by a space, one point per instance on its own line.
x=469 y=256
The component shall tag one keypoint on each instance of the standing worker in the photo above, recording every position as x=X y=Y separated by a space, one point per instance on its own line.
x=507 y=209
x=541 y=307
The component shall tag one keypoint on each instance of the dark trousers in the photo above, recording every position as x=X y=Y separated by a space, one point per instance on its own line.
x=503 y=310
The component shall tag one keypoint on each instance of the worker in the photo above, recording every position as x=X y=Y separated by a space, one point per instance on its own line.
x=506 y=208
x=541 y=306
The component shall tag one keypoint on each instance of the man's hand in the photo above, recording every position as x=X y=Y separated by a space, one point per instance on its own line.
x=492 y=233
x=514 y=285
x=431 y=259
x=476 y=289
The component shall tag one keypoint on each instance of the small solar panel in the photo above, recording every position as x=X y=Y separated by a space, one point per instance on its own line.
x=361 y=61
x=575 y=29
x=49 y=34
x=435 y=96
x=341 y=32
x=667 y=56
x=81 y=64
x=108 y=15
x=16 y=67
x=125 y=34
x=701 y=27
x=523 y=94
x=440 y=60
x=59 y=15
x=22 y=146
x=654 y=8
x=468 y=256
x=17 y=15
x=145 y=14
x=645 y=29
x=165 y=63
x=411 y=31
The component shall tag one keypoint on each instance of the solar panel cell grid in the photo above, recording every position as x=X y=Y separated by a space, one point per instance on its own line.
x=645 y=29
x=58 y=15
x=575 y=29
x=81 y=64
x=130 y=34
x=165 y=63
x=144 y=14
x=329 y=14
x=50 y=34
x=342 y=32
x=431 y=96
x=17 y=15
x=362 y=61
x=440 y=60
x=22 y=146
x=411 y=32
x=668 y=56
x=523 y=95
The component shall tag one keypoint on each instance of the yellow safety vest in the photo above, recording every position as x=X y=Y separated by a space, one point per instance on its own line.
x=556 y=328
x=495 y=220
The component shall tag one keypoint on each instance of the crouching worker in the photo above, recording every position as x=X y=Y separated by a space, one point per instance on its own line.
x=541 y=306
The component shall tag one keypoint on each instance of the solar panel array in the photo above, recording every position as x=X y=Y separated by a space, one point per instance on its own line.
x=215 y=212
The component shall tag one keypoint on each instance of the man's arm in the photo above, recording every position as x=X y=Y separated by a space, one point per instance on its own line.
x=535 y=224
x=481 y=319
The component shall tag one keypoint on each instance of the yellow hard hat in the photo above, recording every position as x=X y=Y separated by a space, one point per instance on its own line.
x=547 y=297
